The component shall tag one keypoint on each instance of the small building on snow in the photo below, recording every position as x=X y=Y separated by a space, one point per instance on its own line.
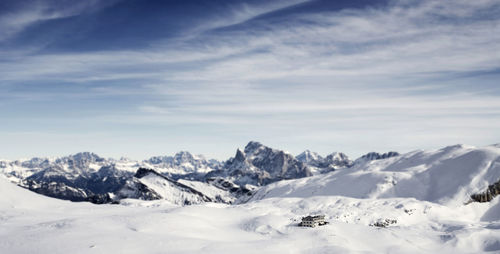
x=313 y=221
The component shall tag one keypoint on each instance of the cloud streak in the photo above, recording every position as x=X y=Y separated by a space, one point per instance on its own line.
x=422 y=73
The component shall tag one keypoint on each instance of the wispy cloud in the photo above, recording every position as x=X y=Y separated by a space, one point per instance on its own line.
x=16 y=21
x=388 y=73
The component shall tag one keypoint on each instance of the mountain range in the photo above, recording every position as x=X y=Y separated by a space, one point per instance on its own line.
x=183 y=178
x=443 y=200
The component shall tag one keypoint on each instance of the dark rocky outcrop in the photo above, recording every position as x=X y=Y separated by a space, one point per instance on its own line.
x=486 y=196
x=261 y=165
x=377 y=156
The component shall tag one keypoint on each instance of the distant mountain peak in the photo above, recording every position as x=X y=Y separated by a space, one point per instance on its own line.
x=252 y=147
x=307 y=156
x=259 y=164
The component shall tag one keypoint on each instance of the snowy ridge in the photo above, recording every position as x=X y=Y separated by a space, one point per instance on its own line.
x=446 y=176
x=148 y=184
x=86 y=163
x=182 y=163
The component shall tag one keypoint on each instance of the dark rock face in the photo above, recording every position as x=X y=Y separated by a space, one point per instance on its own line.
x=141 y=172
x=260 y=165
x=486 y=196
x=56 y=190
x=277 y=163
x=57 y=182
x=236 y=190
x=338 y=160
x=376 y=156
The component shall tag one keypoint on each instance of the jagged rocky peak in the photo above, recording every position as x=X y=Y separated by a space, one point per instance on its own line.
x=87 y=156
x=253 y=147
x=307 y=156
x=338 y=159
x=36 y=163
x=81 y=160
x=184 y=156
x=141 y=172
x=259 y=165
x=183 y=163
x=331 y=162
x=240 y=156
x=180 y=157
x=83 y=157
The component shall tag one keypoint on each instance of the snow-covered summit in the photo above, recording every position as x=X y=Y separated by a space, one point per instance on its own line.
x=182 y=163
x=309 y=157
x=446 y=176
x=319 y=164
x=258 y=164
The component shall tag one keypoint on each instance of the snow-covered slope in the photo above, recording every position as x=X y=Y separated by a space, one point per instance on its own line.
x=13 y=197
x=446 y=176
x=31 y=223
x=148 y=184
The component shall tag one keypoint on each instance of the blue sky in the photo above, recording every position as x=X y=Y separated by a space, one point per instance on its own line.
x=141 y=78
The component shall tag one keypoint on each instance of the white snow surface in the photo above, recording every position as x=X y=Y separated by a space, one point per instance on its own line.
x=446 y=176
x=422 y=192
x=30 y=223
x=209 y=190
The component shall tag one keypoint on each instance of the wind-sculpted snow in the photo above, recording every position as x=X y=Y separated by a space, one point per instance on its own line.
x=31 y=223
x=449 y=175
